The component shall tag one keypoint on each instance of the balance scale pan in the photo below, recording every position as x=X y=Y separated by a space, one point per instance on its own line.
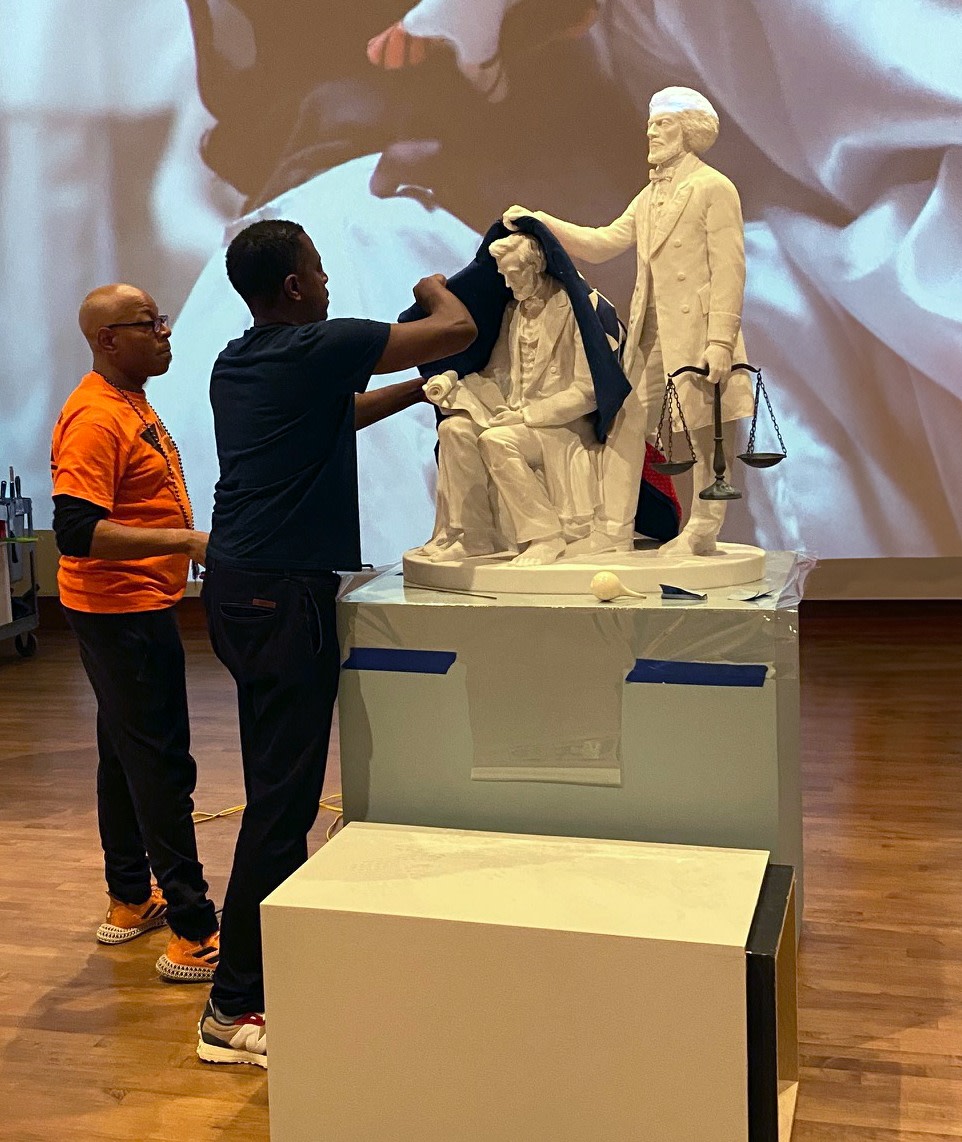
x=672 y=467
x=761 y=459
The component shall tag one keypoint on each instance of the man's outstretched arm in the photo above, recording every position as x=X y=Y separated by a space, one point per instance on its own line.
x=447 y=329
x=371 y=407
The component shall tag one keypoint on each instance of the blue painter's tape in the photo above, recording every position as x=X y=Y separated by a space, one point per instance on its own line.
x=697 y=673
x=400 y=661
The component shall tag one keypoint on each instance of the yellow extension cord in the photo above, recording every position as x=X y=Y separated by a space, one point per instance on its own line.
x=330 y=804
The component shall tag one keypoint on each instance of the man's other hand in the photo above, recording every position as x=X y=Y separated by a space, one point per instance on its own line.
x=197 y=546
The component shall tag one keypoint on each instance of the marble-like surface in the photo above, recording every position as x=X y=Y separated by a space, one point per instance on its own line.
x=569 y=884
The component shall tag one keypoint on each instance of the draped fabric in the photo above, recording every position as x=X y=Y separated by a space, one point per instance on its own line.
x=484 y=292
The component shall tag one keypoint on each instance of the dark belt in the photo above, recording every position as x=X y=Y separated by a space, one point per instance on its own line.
x=322 y=576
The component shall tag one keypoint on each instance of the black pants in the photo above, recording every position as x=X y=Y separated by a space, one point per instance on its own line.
x=146 y=775
x=275 y=632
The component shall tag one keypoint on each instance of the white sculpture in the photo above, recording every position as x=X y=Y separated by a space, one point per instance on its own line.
x=519 y=460
x=687 y=229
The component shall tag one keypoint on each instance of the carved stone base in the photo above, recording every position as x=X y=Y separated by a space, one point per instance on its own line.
x=731 y=565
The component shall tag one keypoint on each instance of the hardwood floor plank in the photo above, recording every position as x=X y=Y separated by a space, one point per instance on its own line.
x=94 y=1046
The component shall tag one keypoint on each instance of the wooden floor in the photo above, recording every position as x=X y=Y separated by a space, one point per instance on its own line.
x=93 y=1046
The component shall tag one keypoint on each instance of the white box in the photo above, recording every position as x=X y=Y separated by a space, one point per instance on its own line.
x=642 y=720
x=428 y=985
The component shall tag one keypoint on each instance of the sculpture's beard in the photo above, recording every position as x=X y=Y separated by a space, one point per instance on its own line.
x=659 y=156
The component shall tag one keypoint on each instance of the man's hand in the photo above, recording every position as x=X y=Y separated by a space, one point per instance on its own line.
x=430 y=291
x=515 y=212
x=504 y=417
x=118 y=541
x=448 y=328
x=718 y=361
x=197 y=546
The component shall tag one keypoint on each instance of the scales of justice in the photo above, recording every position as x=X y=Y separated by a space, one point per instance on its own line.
x=560 y=427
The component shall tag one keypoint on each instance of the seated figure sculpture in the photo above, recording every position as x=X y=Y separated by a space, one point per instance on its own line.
x=519 y=465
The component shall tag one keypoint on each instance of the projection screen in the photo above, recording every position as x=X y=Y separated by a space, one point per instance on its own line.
x=137 y=139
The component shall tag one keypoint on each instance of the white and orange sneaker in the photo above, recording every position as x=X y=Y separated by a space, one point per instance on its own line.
x=190 y=961
x=227 y=1039
x=128 y=921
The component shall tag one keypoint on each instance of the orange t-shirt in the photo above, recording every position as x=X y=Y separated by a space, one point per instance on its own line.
x=102 y=452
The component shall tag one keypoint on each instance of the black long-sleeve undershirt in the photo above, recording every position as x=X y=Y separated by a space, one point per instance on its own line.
x=74 y=521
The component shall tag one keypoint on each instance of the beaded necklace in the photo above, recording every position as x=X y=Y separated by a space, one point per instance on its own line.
x=186 y=510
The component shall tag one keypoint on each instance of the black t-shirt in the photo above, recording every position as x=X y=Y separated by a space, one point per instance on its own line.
x=283 y=401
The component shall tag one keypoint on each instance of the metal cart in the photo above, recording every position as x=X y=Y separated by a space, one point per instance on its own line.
x=18 y=548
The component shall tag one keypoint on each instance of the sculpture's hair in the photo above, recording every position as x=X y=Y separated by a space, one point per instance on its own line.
x=700 y=129
x=261 y=256
x=530 y=247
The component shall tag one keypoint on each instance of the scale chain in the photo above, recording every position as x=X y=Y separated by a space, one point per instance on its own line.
x=761 y=390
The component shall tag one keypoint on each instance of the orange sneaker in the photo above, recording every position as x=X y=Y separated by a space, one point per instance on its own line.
x=190 y=961
x=128 y=921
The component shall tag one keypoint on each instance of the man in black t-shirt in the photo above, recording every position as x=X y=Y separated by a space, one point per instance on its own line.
x=288 y=397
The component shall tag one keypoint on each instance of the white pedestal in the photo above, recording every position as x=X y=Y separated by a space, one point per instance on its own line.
x=444 y=986
x=636 y=720
x=643 y=570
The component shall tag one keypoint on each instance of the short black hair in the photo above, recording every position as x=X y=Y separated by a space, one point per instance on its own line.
x=261 y=256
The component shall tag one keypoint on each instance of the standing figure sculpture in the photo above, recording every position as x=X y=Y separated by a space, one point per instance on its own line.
x=687 y=229
x=519 y=461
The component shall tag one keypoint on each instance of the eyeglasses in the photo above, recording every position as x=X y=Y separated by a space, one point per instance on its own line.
x=156 y=323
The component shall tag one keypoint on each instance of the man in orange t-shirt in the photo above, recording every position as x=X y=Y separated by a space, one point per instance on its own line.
x=125 y=531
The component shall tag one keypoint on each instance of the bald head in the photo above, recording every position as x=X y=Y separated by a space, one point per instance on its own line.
x=117 y=321
x=112 y=303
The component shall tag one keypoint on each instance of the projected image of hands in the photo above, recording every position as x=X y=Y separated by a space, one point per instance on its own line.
x=396 y=132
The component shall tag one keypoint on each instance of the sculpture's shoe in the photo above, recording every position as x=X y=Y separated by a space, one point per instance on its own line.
x=690 y=541
x=595 y=544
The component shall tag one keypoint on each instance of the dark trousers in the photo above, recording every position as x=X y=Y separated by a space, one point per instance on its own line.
x=275 y=632
x=146 y=775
